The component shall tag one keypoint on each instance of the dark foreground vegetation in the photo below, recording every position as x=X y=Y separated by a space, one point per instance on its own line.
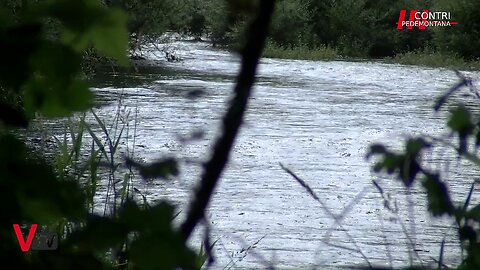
x=43 y=43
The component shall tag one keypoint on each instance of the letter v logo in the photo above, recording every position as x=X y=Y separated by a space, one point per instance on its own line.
x=25 y=246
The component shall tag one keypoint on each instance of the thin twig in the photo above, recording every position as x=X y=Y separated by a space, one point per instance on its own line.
x=248 y=249
x=464 y=81
x=402 y=225
x=330 y=213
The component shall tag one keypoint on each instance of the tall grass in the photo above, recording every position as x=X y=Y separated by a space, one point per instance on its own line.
x=70 y=162
x=301 y=52
x=88 y=152
x=424 y=57
x=93 y=152
x=431 y=58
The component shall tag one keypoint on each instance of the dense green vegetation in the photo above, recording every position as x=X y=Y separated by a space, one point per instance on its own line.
x=352 y=28
x=368 y=28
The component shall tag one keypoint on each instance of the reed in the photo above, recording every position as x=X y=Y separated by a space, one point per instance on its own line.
x=431 y=58
x=322 y=52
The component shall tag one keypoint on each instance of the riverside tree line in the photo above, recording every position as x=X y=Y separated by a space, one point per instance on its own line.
x=355 y=28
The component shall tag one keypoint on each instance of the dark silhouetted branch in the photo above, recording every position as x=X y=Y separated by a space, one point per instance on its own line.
x=233 y=118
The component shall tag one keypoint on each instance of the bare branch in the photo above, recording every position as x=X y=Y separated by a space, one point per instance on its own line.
x=233 y=119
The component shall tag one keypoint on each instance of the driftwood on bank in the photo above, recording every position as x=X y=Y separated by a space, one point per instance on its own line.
x=233 y=118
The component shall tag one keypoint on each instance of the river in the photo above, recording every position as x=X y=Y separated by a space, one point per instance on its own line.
x=317 y=118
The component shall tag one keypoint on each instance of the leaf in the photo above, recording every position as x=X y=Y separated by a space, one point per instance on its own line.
x=159 y=251
x=415 y=146
x=477 y=139
x=56 y=100
x=110 y=35
x=392 y=162
x=409 y=163
x=460 y=119
x=88 y=23
x=57 y=62
x=155 y=218
x=98 y=142
x=77 y=96
x=12 y=116
x=5 y=19
x=159 y=169
x=439 y=201
x=409 y=170
x=406 y=165
x=34 y=191
x=474 y=213
x=157 y=245
x=378 y=167
x=467 y=233
x=376 y=149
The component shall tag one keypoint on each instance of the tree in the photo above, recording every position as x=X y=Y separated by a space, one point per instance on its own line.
x=290 y=23
x=461 y=39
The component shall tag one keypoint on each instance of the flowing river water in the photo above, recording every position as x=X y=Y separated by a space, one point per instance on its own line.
x=318 y=119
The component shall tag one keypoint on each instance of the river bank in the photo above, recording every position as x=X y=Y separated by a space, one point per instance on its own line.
x=427 y=58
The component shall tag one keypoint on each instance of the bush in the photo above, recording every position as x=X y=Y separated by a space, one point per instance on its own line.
x=321 y=52
x=432 y=58
x=461 y=39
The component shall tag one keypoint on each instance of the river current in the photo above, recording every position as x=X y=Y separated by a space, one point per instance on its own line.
x=318 y=119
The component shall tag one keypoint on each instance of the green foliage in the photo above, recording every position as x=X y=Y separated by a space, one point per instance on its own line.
x=225 y=22
x=439 y=202
x=163 y=168
x=152 y=242
x=430 y=57
x=31 y=188
x=460 y=122
x=362 y=29
x=355 y=28
x=301 y=52
x=87 y=23
x=290 y=23
x=218 y=20
x=367 y=28
x=44 y=70
x=407 y=167
x=149 y=19
x=461 y=39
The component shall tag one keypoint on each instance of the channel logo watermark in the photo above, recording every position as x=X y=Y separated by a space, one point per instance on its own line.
x=424 y=19
x=37 y=238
